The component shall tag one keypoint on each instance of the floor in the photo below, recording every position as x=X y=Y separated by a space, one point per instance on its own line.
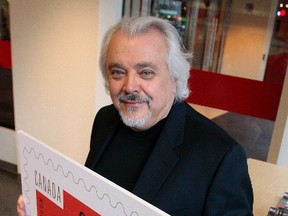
x=254 y=134
x=10 y=188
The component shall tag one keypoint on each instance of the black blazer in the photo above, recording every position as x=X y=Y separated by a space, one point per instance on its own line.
x=194 y=169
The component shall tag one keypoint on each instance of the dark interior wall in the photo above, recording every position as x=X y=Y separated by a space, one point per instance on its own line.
x=6 y=99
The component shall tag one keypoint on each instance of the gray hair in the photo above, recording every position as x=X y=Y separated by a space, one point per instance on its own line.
x=177 y=59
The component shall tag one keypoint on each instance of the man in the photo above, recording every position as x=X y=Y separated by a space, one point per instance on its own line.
x=152 y=143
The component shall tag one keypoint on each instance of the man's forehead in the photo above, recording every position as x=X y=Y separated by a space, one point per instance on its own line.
x=139 y=65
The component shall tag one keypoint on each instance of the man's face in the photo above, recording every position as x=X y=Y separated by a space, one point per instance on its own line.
x=139 y=82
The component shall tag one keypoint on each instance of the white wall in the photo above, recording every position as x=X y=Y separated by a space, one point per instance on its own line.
x=54 y=52
x=283 y=152
x=56 y=82
x=8 y=145
x=278 y=150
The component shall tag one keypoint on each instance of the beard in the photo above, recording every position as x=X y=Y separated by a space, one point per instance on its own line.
x=129 y=118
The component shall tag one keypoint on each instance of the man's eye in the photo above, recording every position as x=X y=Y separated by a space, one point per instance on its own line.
x=117 y=73
x=147 y=74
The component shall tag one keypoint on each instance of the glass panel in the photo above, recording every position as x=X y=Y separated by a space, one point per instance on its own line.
x=4 y=20
x=232 y=37
x=278 y=52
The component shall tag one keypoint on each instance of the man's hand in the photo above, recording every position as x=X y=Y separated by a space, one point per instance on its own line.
x=21 y=206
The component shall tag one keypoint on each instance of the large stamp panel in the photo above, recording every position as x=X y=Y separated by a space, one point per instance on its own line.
x=53 y=184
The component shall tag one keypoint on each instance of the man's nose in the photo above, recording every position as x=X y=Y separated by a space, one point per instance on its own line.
x=132 y=84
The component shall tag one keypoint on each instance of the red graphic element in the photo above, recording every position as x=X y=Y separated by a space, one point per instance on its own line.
x=235 y=94
x=72 y=206
x=5 y=54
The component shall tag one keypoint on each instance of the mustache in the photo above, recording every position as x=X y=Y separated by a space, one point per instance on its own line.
x=134 y=98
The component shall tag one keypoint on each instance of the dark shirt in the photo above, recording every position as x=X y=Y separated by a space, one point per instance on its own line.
x=126 y=155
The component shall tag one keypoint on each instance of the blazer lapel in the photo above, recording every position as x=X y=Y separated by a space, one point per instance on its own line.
x=162 y=159
x=102 y=140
